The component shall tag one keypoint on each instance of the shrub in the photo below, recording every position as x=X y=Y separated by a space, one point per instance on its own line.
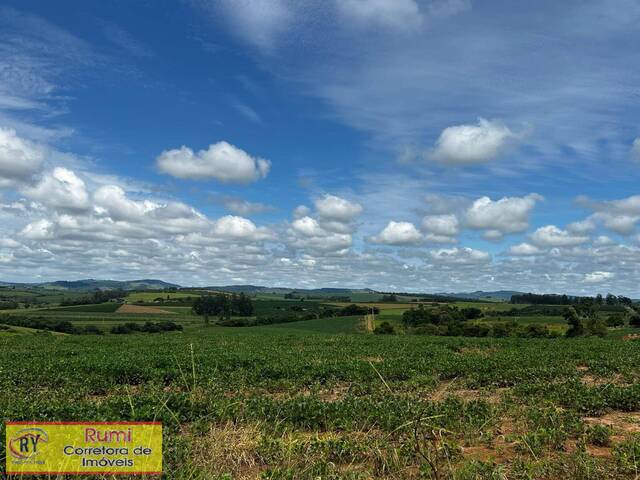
x=92 y=330
x=599 y=435
x=385 y=328
x=615 y=320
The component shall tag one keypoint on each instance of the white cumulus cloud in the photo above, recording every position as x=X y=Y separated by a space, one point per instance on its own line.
x=398 y=233
x=501 y=217
x=19 y=158
x=459 y=256
x=598 y=277
x=221 y=161
x=551 y=236
x=473 y=144
x=523 y=249
x=441 y=228
x=239 y=228
x=60 y=189
x=331 y=207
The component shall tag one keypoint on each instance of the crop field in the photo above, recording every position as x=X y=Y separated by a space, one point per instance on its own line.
x=324 y=398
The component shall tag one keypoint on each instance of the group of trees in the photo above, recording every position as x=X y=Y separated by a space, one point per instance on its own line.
x=49 y=325
x=296 y=314
x=223 y=306
x=9 y=305
x=449 y=320
x=148 y=327
x=99 y=296
x=584 y=321
x=554 y=299
x=440 y=315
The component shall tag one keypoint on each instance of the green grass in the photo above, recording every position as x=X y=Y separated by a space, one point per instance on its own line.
x=144 y=297
x=107 y=307
x=322 y=325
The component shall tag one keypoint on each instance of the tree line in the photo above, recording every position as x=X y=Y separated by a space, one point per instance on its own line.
x=223 y=306
x=555 y=299
x=99 y=296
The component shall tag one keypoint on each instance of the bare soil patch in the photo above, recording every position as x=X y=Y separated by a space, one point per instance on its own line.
x=624 y=422
x=127 y=308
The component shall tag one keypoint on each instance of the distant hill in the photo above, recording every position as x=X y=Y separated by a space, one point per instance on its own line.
x=153 y=284
x=253 y=289
x=502 y=295
x=91 y=284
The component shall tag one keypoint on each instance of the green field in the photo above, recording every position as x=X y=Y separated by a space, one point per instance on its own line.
x=145 y=297
x=325 y=398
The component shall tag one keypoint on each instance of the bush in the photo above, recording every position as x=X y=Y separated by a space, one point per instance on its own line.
x=92 y=330
x=536 y=331
x=385 y=328
x=615 y=320
x=597 y=326
x=599 y=435
x=427 y=329
x=148 y=327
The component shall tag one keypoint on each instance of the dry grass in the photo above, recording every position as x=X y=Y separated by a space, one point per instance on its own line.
x=228 y=449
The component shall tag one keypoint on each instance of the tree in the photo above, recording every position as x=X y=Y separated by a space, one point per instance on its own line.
x=575 y=322
x=208 y=305
x=599 y=299
x=597 y=326
x=242 y=305
x=615 y=320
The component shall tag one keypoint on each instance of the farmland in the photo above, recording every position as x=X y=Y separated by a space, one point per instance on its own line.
x=323 y=398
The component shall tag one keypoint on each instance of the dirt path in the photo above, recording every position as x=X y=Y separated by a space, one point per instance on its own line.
x=368 y=322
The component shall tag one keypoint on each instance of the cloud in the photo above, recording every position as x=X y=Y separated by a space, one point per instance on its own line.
x=501 y=217
x=259 y=22
x=459 y=256
x=38 y=230
x=221 y=161
x=472 y=144
x=523 y=249
x=124 y=40
x=582 y=227
x=319 y=237
x=61 y=189
x=635 y=149
x=441 y=228
x=331 y=207
x=247 y=112
x=301 y=211
x=245 y=207
x=551 y=236
x=307 y=226
x=20 y=159
x=398 y=233
x=239 y=228
x=396 y=14
x=621 y=216
x=598 y=277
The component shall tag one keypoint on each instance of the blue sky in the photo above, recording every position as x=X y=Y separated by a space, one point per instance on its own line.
x=395 y=144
